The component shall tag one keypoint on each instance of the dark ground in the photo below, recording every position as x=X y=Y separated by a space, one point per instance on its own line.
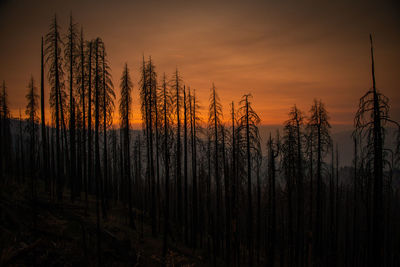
x=65 y=236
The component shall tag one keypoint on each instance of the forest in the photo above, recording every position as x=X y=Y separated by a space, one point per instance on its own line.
x=194 y=186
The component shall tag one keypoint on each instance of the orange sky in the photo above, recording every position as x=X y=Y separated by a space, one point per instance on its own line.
x=284 y=54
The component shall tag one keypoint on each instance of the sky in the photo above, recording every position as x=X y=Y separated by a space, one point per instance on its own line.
x=282 y=52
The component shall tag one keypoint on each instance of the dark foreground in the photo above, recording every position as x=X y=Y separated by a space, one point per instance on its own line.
x=65 y=236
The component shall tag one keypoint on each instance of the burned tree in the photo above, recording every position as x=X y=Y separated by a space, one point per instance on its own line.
x=371 y=118
x=125 y=111
x=248 y=124
x=31 y=128
x=166 y=111
x=319 y=125
x=70 y=55
x=55 y=76
x=214 y=125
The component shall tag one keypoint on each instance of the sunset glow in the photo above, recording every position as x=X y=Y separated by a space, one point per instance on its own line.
x=282 y=54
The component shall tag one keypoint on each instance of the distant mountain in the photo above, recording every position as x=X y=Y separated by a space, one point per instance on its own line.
x=341 y=135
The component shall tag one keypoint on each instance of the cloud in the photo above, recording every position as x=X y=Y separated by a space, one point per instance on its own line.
x=283 y=52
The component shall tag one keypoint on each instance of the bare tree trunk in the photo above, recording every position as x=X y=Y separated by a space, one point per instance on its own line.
x=227 y=204
x=178 y=156
x=57 y=92
x=45 y=157
x=377 y=212
x=166 y=151
x=157 y=161
x=64 y=145
x=185 y=168
x=89 y=149
x=194 y=169
x=300 y=199
x=208 y=197
x=72 y=172
x=217 y=181
x=355 y=206
x=331 y=211
x=234 y=193
x=311 y=238
x=53 y=167
x=272 y=207
x=336 y=238
x=250 y=210
x=52 y=160
x=152 y=181
x=84 y=153
x=105 y=184
x=97 y=174
x=289 y=186
x=318 y=223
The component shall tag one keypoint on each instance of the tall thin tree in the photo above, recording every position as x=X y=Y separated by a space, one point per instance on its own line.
x=55 y=76
x=43 y=126
x=370 y=120
x=214 y=124
x=31 y=111
x=319 y=124
x=248 y=122
x=125 y=110
x=70 y=55
x=166 y=125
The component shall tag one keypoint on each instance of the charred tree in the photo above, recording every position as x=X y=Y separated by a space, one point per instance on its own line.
x=248 y=122
x=370 y=121
x=125 y=111
x=70 y=55
x=32 y=129
x=319 y=125
x=55 y=76
x=45 y=156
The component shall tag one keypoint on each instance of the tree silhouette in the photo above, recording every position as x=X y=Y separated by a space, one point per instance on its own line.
x=70 y=59
x=20 y=149
x=148 y=92
x=176 y=85
x=107 y=107
x=248 y=121
x=293 y=161
x=185 y=166
x=289 y=154
x=273 y=152
x=55 y=76
x=82 y=80
x=97 y=171
x=234 y=189
x=319 y=126
x=45 y=155
x=370 y=120
x=125 y=110
x=157 y=95
x=32 y=129
x=193 y=107
x=166 y=110
x=90 y=100
x=214 y=125
x=257 y=158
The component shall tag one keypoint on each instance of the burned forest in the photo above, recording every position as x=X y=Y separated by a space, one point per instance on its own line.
x=194 y=183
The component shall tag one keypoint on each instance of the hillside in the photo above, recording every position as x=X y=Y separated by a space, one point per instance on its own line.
x=65 y=235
